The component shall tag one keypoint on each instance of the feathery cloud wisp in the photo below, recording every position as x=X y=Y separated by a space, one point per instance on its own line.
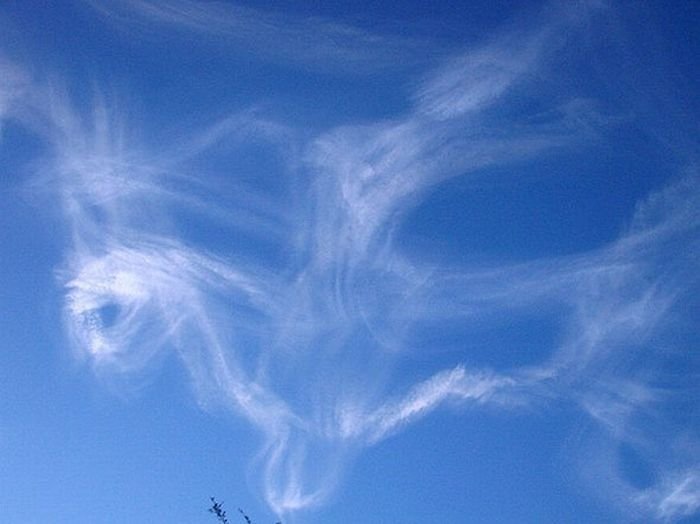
x=304 y=347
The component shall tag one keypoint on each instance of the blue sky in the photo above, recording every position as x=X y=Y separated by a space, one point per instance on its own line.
x=349 y=262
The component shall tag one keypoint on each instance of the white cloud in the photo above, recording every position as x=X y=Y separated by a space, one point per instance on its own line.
x=455 y=384
x=298 y=355
x=14 y=84
x=476 y=80
x=305 y=352
x=288 y=39
x=679 y=497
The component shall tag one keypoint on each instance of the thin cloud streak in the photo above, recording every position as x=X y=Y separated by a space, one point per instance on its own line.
x=14 y=85
x=454 y=385
x=680 y=497
x=311 y=42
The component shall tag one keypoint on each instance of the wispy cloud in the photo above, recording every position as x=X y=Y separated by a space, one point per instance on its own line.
x=307 y=41
x=14 y=82
x=455 y=384
x=677 y=497
x=471 y=82
x=304 y=348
